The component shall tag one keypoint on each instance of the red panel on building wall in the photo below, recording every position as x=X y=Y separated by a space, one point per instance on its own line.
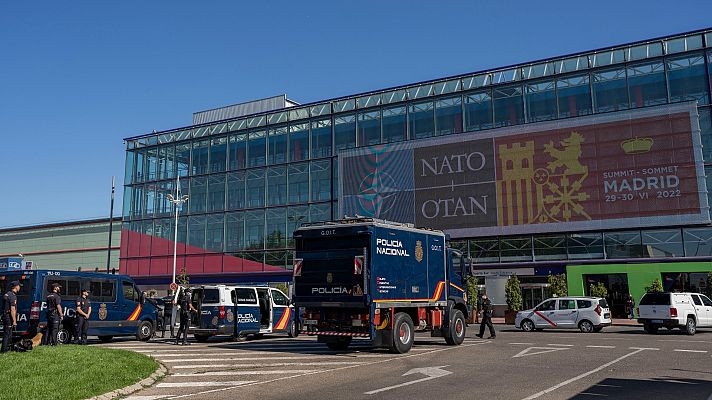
x=161 y=266
x=132 y=267
x=161 y=246
x=232 y=263
x=123 y=269
x=213 y=264
x=123 y=250
x=194 y=264
x=145 y=246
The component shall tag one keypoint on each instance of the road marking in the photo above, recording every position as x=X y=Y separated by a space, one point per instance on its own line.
x=585 y=374
x=260 y=365
x=429 y=372
x=601 y=347
x=690 y=351
x=684 y=341
x=644 y=348
x=232 y=373
x=201 y=384
x=523 y=343
x=557 y=344
x=449 y=348
x=531 y=351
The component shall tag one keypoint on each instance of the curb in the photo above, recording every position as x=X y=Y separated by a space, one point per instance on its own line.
x=158 y=374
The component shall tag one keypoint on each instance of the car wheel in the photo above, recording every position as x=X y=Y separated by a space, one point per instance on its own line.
x=457 y=328
x=403 y=333
x=145 y=331
x=586 y=326
x=528 y=326
x=691 y=326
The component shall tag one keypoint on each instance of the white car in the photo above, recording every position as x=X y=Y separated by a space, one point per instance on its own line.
x=589 y=314
x=686 y=311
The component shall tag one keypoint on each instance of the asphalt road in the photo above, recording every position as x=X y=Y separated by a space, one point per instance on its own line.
x=619 y=363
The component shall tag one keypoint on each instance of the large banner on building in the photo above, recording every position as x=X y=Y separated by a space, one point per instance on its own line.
x=621 y=170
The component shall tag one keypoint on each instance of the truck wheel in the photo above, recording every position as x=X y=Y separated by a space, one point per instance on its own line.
x=455 y=334
x=651 y=329
x=341 y=343
x=105 y=339
x=293 y=332
x=691 y=326
x=145 y=331
x=201 y=338
x=403 y=333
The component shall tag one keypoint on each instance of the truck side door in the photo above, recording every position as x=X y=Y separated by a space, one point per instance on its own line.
x=248 y=311
x=704 y=311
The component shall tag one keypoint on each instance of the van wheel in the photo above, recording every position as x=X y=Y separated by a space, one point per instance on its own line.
x=201 y=338
x=62 y=336
x=528 y=326
x=691 y=326
x=586 y=326
x=403 y=333
x=455 y=333
x=239 y=338
x=341 y=343
x=293 y=332
x=105 y=339
x=145 y=331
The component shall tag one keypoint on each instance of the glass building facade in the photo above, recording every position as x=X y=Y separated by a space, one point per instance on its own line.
x=253 y=180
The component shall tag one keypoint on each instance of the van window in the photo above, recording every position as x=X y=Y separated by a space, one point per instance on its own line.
x=548 y=305
x=655 y=299
x=27 y=281
x=696 y=300
x=567 y=305
x=279 y=299
x=583 y=303
x=246 y=296
x=603 y=303
x=73 y=288
x=61 y=282
x=102 y=290
x=706 y=301
x=211 y=296
x=130 y=292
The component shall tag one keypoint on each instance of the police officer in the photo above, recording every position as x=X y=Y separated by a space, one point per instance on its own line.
x=486 y=318
x=83 y=314
x=186 y=307
x=54 y=315
x=9 y=315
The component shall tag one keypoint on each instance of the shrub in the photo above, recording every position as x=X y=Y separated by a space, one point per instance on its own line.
x=513 y=293
x=558 y=286
x=472 y=291
x=708 y=291
x=598 y=290
x=655 y=287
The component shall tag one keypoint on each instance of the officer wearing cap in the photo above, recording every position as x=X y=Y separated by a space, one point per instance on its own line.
x=54 y=315
x=9 y=314
x=186 y=306
x=83 y=314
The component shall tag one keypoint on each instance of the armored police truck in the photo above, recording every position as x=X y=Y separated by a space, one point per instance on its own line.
x=380 y=281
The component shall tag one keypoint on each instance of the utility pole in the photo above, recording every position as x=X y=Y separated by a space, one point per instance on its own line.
x=111 y=226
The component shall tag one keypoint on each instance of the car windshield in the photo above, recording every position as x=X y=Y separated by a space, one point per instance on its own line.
x=655 y=299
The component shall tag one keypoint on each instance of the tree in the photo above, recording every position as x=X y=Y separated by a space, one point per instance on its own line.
x=558 y=286
x=183 y=278
x=283 y=287
x=472 y=291
x=655 y=287
x=598 y=290
x=152 y=293
x=513 y=293
x=708 y=291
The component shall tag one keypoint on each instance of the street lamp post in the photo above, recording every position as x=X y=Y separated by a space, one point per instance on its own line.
x=178 y=200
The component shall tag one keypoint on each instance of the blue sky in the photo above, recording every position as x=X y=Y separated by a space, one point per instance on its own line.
x=78 y=77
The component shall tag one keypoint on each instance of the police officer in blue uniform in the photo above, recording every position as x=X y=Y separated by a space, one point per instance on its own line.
x=83 y=314
x=9 y=315
x=54 y=315
x=186 y=307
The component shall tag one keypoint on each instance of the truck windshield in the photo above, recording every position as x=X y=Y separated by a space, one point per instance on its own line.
x=27 y=282
x=655 y=299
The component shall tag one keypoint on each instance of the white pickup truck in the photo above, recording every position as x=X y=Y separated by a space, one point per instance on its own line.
x=686 y=311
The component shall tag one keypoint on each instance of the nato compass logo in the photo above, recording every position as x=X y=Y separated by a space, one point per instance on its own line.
x=377 y=193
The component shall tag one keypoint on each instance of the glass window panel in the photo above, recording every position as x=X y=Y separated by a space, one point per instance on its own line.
x=321 y=180
x=369 y=128
x=539 y=70
x=550 y=247
x=235 y=190
x=299 y=142
x=200 y=157
x=198 y=194
x=583 y=246
x=334 y=180
x=645 y=51
x=166 y=162
x=182 y=135
x=608 y=58
x=129 y=167
x=238 y=125
x=298 y=183
x=625 y=244
x=256 y=122
x=298 y=113
x=698 y=241
x=447 y=87
x=478 y=111
x=234 y=231
x=321 y=109
x=419 y=92
x=149 y=191
x=184 y=189
x=368 y=101
x=320 y=212
x=218 y=154
x=485 y=250
x=237 y=151
x=218 y=129
x=151 y=163
x=255 y=229
x=255 y=188
x=663 y=243
x=344 y=132
x=508 y=106
x=277 y=118
x=474 y=82
x=505 y=76
x=683 y=44
x=708 y=181
x=140 y=165
x=163 y=205
x=126 y=204
x=165 y=138
x=395 y=126
x=277 y=259
x=196 y=231
x=609 y=90
x=296 y=216
x=646 y=84
x=276 y=228
x=215 y=232
x=183 y=230
x=541 y=101
x=394 y=96
x=448 y=116
x=216 y=192
x=277 y=145
x=200 y=132
x=706 y=136
x=344 y=105
x=574 y=96
x=687 y=79
x=421 y=120
x=516 y=249
x=256 y=149
x=182 y=159
x=321 y=138
x=277 y=186
x=571 y=64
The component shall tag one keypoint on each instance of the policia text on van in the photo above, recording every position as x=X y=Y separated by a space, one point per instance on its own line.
x=118 y=306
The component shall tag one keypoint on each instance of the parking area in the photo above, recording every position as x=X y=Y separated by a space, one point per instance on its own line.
x=621 y=362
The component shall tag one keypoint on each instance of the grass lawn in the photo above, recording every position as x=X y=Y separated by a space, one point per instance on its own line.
x=70 y=372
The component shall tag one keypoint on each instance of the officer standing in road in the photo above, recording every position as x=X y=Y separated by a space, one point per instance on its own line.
x=486 y=318
x=9 y=315
x=186 y=307
x=54 y=315
x=83 y=314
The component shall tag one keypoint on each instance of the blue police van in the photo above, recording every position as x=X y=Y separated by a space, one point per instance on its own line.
x=118 y=307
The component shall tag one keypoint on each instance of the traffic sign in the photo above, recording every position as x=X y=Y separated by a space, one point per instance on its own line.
x=174 y=286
